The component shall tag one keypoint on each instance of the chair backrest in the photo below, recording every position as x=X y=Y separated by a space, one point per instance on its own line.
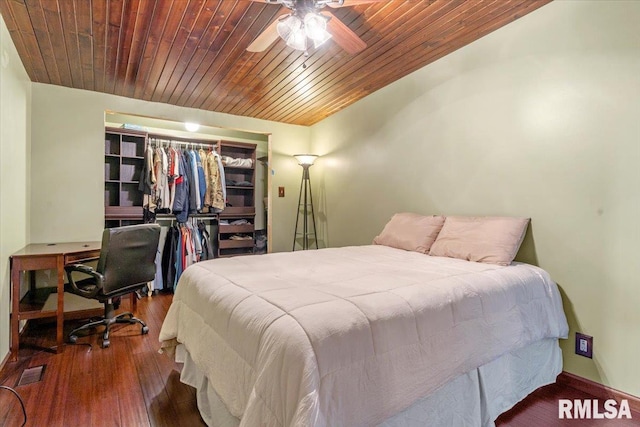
x=127 y=257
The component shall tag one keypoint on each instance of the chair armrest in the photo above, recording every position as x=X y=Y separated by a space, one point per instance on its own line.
x=81 y=268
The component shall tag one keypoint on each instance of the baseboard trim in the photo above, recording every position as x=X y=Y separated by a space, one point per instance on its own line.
x=598 y=390
x=4 y=362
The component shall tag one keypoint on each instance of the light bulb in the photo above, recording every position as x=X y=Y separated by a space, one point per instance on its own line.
x=191 y=127
x=315 y=27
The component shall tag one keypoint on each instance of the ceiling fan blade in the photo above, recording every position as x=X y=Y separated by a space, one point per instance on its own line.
x=343 y=36
x=266 y=37
x=348 y=3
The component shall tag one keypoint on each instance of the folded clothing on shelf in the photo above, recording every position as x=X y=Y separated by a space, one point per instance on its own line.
x=234 y=183
x=241 y=237
x=241 y=221
x=237 y=162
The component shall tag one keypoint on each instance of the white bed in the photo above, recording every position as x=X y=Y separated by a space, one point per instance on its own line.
x=361 y=336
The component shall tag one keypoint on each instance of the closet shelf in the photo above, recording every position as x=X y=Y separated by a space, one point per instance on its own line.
x=230 y=244
x=120 y=156
x=239 y=167
x=123 y=212
x=239 y=187
x=232 y=229
x=238 y=210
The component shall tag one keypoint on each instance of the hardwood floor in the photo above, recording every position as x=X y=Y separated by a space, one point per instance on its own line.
x=131 y=384
x=541 y=409
x=127 y=384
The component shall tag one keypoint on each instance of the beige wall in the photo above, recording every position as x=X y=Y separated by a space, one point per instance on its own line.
x=14 y=169
x=541 y=119
x=68 y=155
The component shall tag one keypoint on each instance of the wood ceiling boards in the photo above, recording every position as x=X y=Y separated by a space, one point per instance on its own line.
x=192 y=53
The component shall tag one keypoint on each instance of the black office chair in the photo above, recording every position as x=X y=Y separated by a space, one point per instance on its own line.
x=126 y=264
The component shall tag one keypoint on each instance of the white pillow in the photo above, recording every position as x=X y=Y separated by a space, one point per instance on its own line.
x=410 y=231
x=492 y=240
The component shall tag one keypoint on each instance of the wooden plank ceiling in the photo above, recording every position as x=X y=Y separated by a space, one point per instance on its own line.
x=192 y=53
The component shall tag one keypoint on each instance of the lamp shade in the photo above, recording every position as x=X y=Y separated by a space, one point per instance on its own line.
x=305 y=159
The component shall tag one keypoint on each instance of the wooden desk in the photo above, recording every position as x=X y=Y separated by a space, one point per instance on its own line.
x=45 y=256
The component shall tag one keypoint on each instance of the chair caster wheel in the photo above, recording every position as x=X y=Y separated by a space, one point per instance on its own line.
x=105 y=343
x=73 y=339
x=145 y=330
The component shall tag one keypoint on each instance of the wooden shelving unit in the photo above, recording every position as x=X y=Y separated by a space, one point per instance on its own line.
x=240 y=200
x=123 y=164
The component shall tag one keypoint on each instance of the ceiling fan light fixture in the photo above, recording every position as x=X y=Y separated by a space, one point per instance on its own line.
x=295 y=31
x=297 y=40
x=291 y=30
x=288 y=24
x=315 y=27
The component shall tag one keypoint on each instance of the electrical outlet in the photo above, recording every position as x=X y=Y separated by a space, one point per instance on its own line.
x=584 y=345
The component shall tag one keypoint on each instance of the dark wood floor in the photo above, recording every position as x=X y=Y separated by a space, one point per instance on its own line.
x=131 y=384
x=541 y=409
x=127 y=384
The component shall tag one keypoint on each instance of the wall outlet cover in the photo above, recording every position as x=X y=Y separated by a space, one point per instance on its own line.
x=584 y=345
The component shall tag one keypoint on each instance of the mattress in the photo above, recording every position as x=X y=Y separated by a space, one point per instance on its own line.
x=351 y=336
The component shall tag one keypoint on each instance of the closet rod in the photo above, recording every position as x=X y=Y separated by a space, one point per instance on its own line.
x=172 y=142
x=197 y=217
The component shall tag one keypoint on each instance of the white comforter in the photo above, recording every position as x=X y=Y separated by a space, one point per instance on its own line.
x=350 y=336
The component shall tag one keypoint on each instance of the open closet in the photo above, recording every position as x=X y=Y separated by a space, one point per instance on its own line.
x=209 y=192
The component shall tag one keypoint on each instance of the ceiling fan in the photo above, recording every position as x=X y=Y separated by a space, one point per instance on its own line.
x=308 y=25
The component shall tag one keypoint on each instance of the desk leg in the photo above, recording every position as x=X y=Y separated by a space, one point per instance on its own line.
x=15 y=310
x=133 y=302
x=60 y=311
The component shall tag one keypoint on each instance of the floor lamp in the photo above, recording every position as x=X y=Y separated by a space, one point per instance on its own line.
x=305 y=201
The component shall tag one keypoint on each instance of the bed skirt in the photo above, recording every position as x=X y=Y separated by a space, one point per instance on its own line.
x=476 y=398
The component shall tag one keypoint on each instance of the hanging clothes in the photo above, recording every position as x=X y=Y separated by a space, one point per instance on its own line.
x=161 y=194
x=197 y=242
x=173 y=173
x=147 y=179
x=181 y=202
x=214 y=195
x=182 y=181
x=202 y=184
x=165 y=195
x=169 y=258
x=207 y=249
x=189 y=172
x=222 y=178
